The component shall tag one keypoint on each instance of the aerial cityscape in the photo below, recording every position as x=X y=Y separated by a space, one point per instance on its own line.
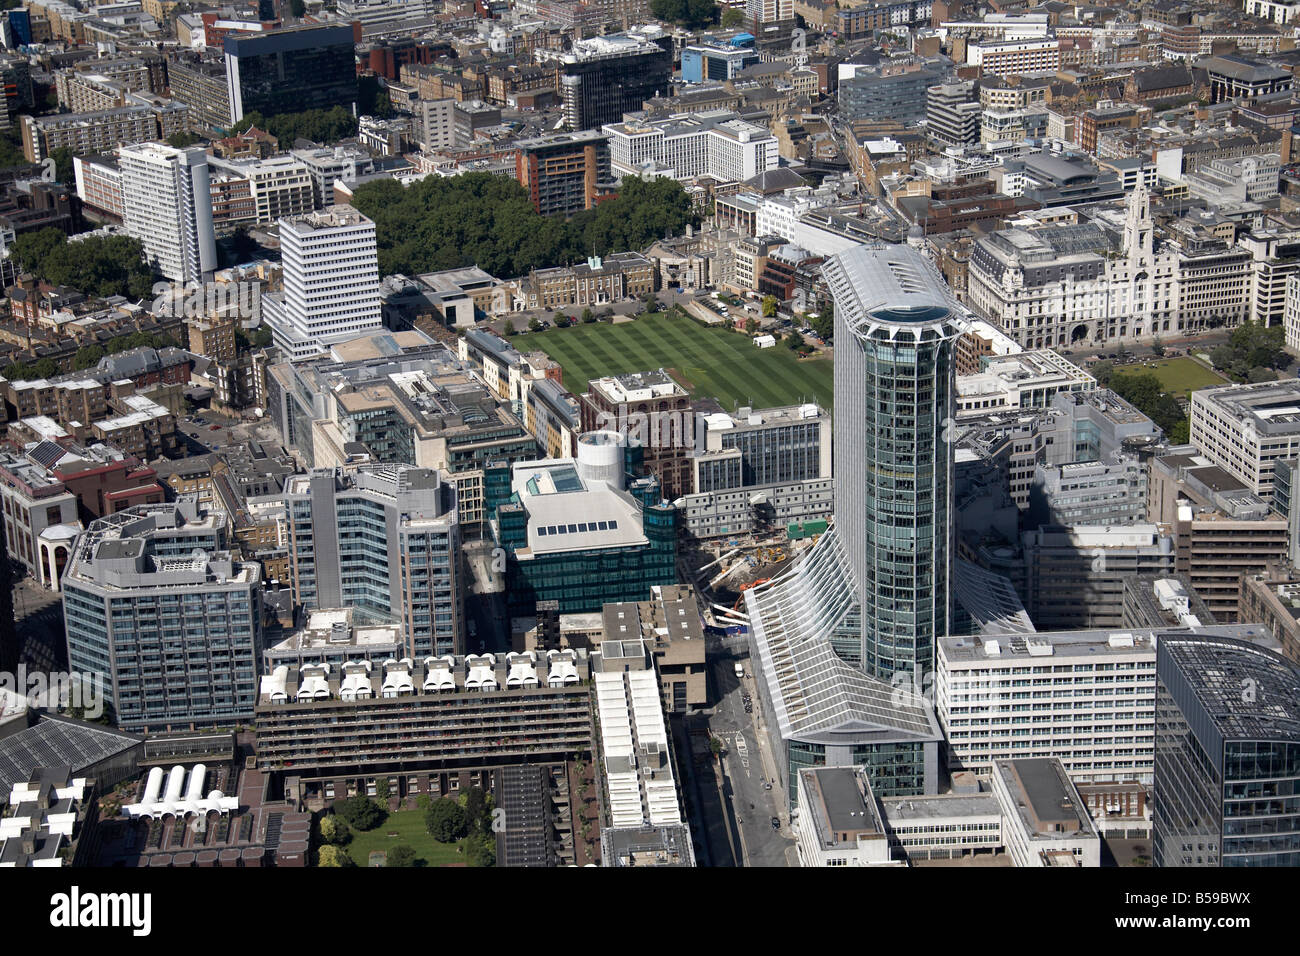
x=649 y=433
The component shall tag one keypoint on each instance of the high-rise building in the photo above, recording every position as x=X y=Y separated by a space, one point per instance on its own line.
x=650 y=410
x=604 y=77
x=563 y=171
x=155 y=604
x=167 y=201
x=291 y=70
x=383 y=541
x=1227 y=735
x=331 y=282
x=895 y=328
x=952 y=114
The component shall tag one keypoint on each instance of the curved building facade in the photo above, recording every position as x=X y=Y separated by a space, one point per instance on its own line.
x=895 y=328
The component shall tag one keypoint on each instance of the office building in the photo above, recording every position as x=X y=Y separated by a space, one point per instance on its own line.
x=952 y=114
x=291 y=70
x=760 y=468
x=167 y=200
x=564 y=173
x=652 y=412
x=868 y=94
x=331 y=282
x=707 y=63
x=669 y=625
x=1152 y=600
x=576 y=532
x=1085 y=697
x=820 y=710
x=1074 y=576
x=840 y=823
x=1225 y=777
x=399 y=399
x=155 y=602
x=279 y=187
x=604 y=77
x=1022 y=381
x=1044 y=820
x=50 y=821
x=716 y=143
x=1245 y=429
x=383 y=540
x=895 y=328
x=1223 y=531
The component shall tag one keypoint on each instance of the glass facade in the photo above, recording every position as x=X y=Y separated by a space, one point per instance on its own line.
x=895 y=331
x=1227 y=755
x=293 y=70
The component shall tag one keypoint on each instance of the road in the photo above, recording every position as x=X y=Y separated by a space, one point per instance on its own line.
x=746 y=767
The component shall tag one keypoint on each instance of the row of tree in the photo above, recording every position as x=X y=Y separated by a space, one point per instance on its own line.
x=487 y=220
x=1252 y=353
x=319 y=126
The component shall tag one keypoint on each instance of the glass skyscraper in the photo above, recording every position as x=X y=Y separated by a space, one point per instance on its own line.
x=1227 y=754
x=895 y=327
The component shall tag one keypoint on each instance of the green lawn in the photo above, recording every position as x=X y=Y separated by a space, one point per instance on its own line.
x=409 y=827
x=1181 y=376
x=707 y=361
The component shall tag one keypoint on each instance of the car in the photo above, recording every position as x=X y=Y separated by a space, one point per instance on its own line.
x=214 y=428
x=767 y=785
x=776 y=823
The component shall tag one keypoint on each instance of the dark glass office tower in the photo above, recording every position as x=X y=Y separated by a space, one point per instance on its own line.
x=288 y=71
x=1227 y=754
x=895 y=327
x=602 y=78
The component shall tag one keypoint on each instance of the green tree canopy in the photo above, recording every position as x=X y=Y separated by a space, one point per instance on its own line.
x=446 y=820
x=402 y=855
x=689 y=13
x=361 y=812
x=1144 y=391
x=319 y=126
x=96 y=265
x=488 y=220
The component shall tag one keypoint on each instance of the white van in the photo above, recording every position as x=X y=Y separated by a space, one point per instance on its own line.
x=740 y=670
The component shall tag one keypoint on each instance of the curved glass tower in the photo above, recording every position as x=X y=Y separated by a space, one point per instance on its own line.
x=895 y=327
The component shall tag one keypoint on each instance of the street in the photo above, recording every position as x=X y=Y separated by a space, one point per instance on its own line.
x=746 y=768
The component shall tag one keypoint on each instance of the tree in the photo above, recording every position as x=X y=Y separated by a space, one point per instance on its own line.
x=1157 y=347
x=731 y=17
x=298 y=8
x=588 y=317
x=689 y=13
x=87 y=356
x=475 y=804
x=333 y=856
x=561 y=320
x=480 y=850
x=650 y=302
x=1144 y=391
x=401 y=855
x=751 y=325
x=445 y=820
x=534 y=324
x=335 y=831
x=794 y=341
x=97 y=265
x=183 y=139
x=508 y=328
x=823 y=324
x=361 y=812
x=1102 y=371
x=770 y=305
x=63 y=169
x=382 y=791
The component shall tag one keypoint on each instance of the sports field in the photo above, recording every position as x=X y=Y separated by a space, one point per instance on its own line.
x=708 y=362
